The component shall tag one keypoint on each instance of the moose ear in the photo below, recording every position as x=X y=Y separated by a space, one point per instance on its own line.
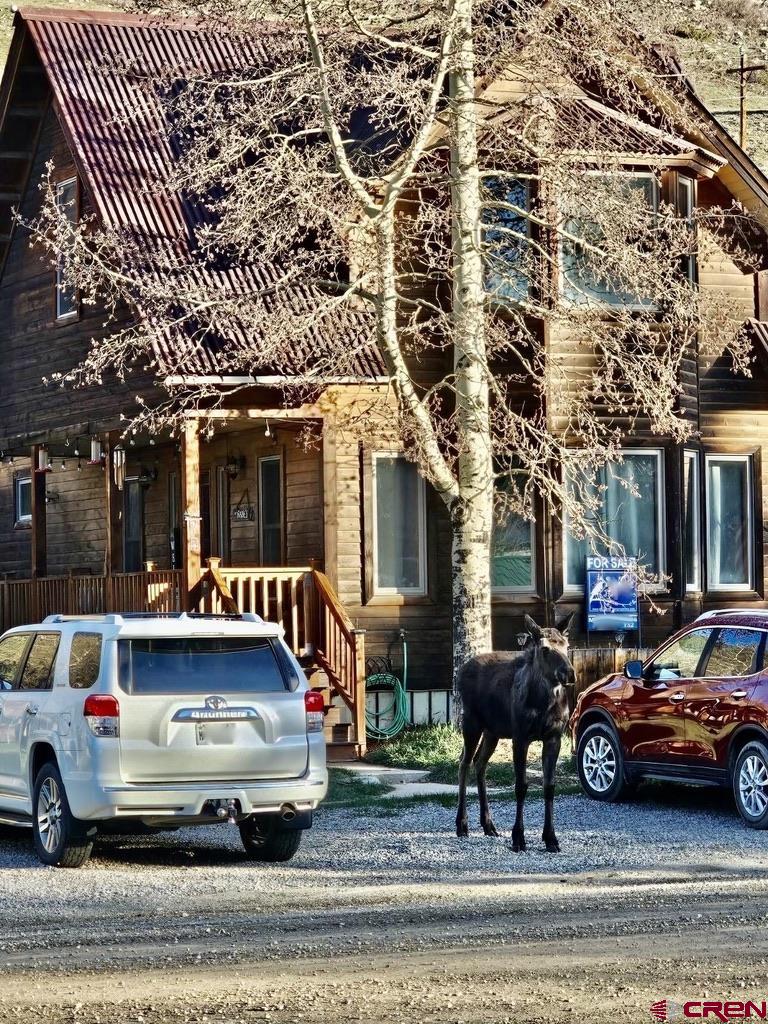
x=532 y=627
x=565 y=624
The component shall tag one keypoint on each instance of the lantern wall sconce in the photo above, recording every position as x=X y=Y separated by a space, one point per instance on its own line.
x=97 y=455
x=43 y=461
x=147 y=476
x=52 y=497
x=234 y=466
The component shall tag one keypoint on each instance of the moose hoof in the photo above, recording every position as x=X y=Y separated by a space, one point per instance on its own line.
x=518 y=843
x=490 y=829
x=551 y=844
x=462 y=829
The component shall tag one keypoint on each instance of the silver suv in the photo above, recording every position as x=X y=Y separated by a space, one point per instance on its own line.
x=115 y=722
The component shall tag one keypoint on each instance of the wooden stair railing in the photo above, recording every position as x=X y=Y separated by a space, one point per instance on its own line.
x=304 y=603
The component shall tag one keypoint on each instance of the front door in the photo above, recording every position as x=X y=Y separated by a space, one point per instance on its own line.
x=133 y=526
x=652 y=721
x=12 y=651
x=714 y=704
x=25 y=709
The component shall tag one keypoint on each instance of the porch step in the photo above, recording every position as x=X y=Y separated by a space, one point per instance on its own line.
x=342 y=751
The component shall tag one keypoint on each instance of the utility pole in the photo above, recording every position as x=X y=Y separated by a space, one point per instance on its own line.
x=743 y=70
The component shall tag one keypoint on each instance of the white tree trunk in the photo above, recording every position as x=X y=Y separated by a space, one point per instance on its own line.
x=472 y=513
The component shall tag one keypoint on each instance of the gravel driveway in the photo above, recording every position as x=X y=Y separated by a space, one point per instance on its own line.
x=368 y=885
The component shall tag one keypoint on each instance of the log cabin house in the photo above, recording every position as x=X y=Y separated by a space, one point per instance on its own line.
x=252 y=520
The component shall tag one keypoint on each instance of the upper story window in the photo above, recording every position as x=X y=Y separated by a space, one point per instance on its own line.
x=505 y=234
x=586 y=277
x=22 y=499
x=685 y=201
x=631 y=521
x=67 y=304
x=399 y=526
x=729 y=503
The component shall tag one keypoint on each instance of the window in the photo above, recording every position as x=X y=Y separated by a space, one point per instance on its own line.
x=633 y=523
x=222 y=513
x=22 y=499
x=584 y=280
x=84 y=660
x=692 y=520
x=685 y=199
x=680 y=660
x=12 y=650
x=133 y=526
x=729 y=522
x=399 y=522
x=505 y=236
x=271 y=510
x=38 y=670
x=512 y=552
x=199 y=665
x=733 y=653
x=66 y=296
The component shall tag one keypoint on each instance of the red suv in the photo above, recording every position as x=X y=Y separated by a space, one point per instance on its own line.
x=696 y=711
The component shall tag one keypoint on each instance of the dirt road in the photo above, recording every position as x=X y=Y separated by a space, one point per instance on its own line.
x=184 y=929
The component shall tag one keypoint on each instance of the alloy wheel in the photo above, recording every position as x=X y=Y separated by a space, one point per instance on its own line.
x=599 y=763
x=49 y=811
x=753 y=785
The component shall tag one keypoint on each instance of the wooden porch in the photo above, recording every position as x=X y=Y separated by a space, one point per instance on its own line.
x=301 y=600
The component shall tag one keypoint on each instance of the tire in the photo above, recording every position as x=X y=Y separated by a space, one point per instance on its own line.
x=264 y=840
x=60 y=839
x=600 y=764
x=750 y=784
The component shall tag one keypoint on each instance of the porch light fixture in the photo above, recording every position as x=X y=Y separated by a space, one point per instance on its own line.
x=44 y=464
x=147 y=476
x=234 y=465
x=118 y=466
x=97 y=455
x=267 y=431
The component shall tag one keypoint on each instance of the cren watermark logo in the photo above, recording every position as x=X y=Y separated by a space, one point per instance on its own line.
x=664 y=1009
x=709 y=1009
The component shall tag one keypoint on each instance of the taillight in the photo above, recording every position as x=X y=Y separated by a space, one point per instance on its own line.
x=315 y=708
x=102 y=713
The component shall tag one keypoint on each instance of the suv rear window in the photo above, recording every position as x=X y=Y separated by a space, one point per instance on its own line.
x=199 y=665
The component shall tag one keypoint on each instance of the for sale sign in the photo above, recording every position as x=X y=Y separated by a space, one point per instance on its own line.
x=611 y=594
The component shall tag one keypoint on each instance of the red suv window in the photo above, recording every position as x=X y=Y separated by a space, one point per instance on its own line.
x=734 y=652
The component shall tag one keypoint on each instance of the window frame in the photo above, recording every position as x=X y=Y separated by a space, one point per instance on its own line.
x=18 y=519
x=685 y=183
x=693 y=455
x=661 y=527
x=278 y=458
x=501 y=592
x=421 y=589
x=72 y=314
x=588 y=302
x=748 y=460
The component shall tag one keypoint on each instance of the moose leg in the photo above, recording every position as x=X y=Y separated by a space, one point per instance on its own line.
x=549 y=754
x=471 y=739
x=487 y=746
x=520 y=758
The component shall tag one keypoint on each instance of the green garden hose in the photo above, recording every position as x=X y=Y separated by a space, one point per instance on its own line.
x=396 y=709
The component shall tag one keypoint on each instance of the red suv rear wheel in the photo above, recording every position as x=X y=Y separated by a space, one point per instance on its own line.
x=750 y=784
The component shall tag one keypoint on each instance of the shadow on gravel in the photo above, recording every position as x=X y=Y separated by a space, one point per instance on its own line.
x=166 y=856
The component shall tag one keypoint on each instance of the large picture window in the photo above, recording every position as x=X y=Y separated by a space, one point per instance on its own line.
x=66 y=297
x=692 y=520
x=729 y=493
x=399 y=524
x=586 y=278
x=513 y=564
x=632 y=522
x=505 y=233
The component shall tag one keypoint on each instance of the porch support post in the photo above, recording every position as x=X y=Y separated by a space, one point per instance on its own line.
x=342 y=514
x=113 y=550
x=39 y=531
x=190 y=503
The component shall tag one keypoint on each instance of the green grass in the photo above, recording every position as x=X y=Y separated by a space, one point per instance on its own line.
x=437 y=749
x=347 y=789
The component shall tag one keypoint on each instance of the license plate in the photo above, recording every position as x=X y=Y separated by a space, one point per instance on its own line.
x=215 y=734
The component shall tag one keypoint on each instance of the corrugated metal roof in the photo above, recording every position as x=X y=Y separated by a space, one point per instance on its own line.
x=98 y=64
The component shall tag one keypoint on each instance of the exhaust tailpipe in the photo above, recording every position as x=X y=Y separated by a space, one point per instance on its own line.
x=287 y=812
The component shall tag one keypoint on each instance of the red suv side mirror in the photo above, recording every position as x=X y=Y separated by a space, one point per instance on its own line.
x=634 y=669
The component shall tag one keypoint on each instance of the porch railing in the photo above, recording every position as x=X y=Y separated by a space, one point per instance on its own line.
x=23 y=601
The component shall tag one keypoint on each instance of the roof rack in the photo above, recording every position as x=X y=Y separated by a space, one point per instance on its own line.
x=760 y=612
x=116 y=619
